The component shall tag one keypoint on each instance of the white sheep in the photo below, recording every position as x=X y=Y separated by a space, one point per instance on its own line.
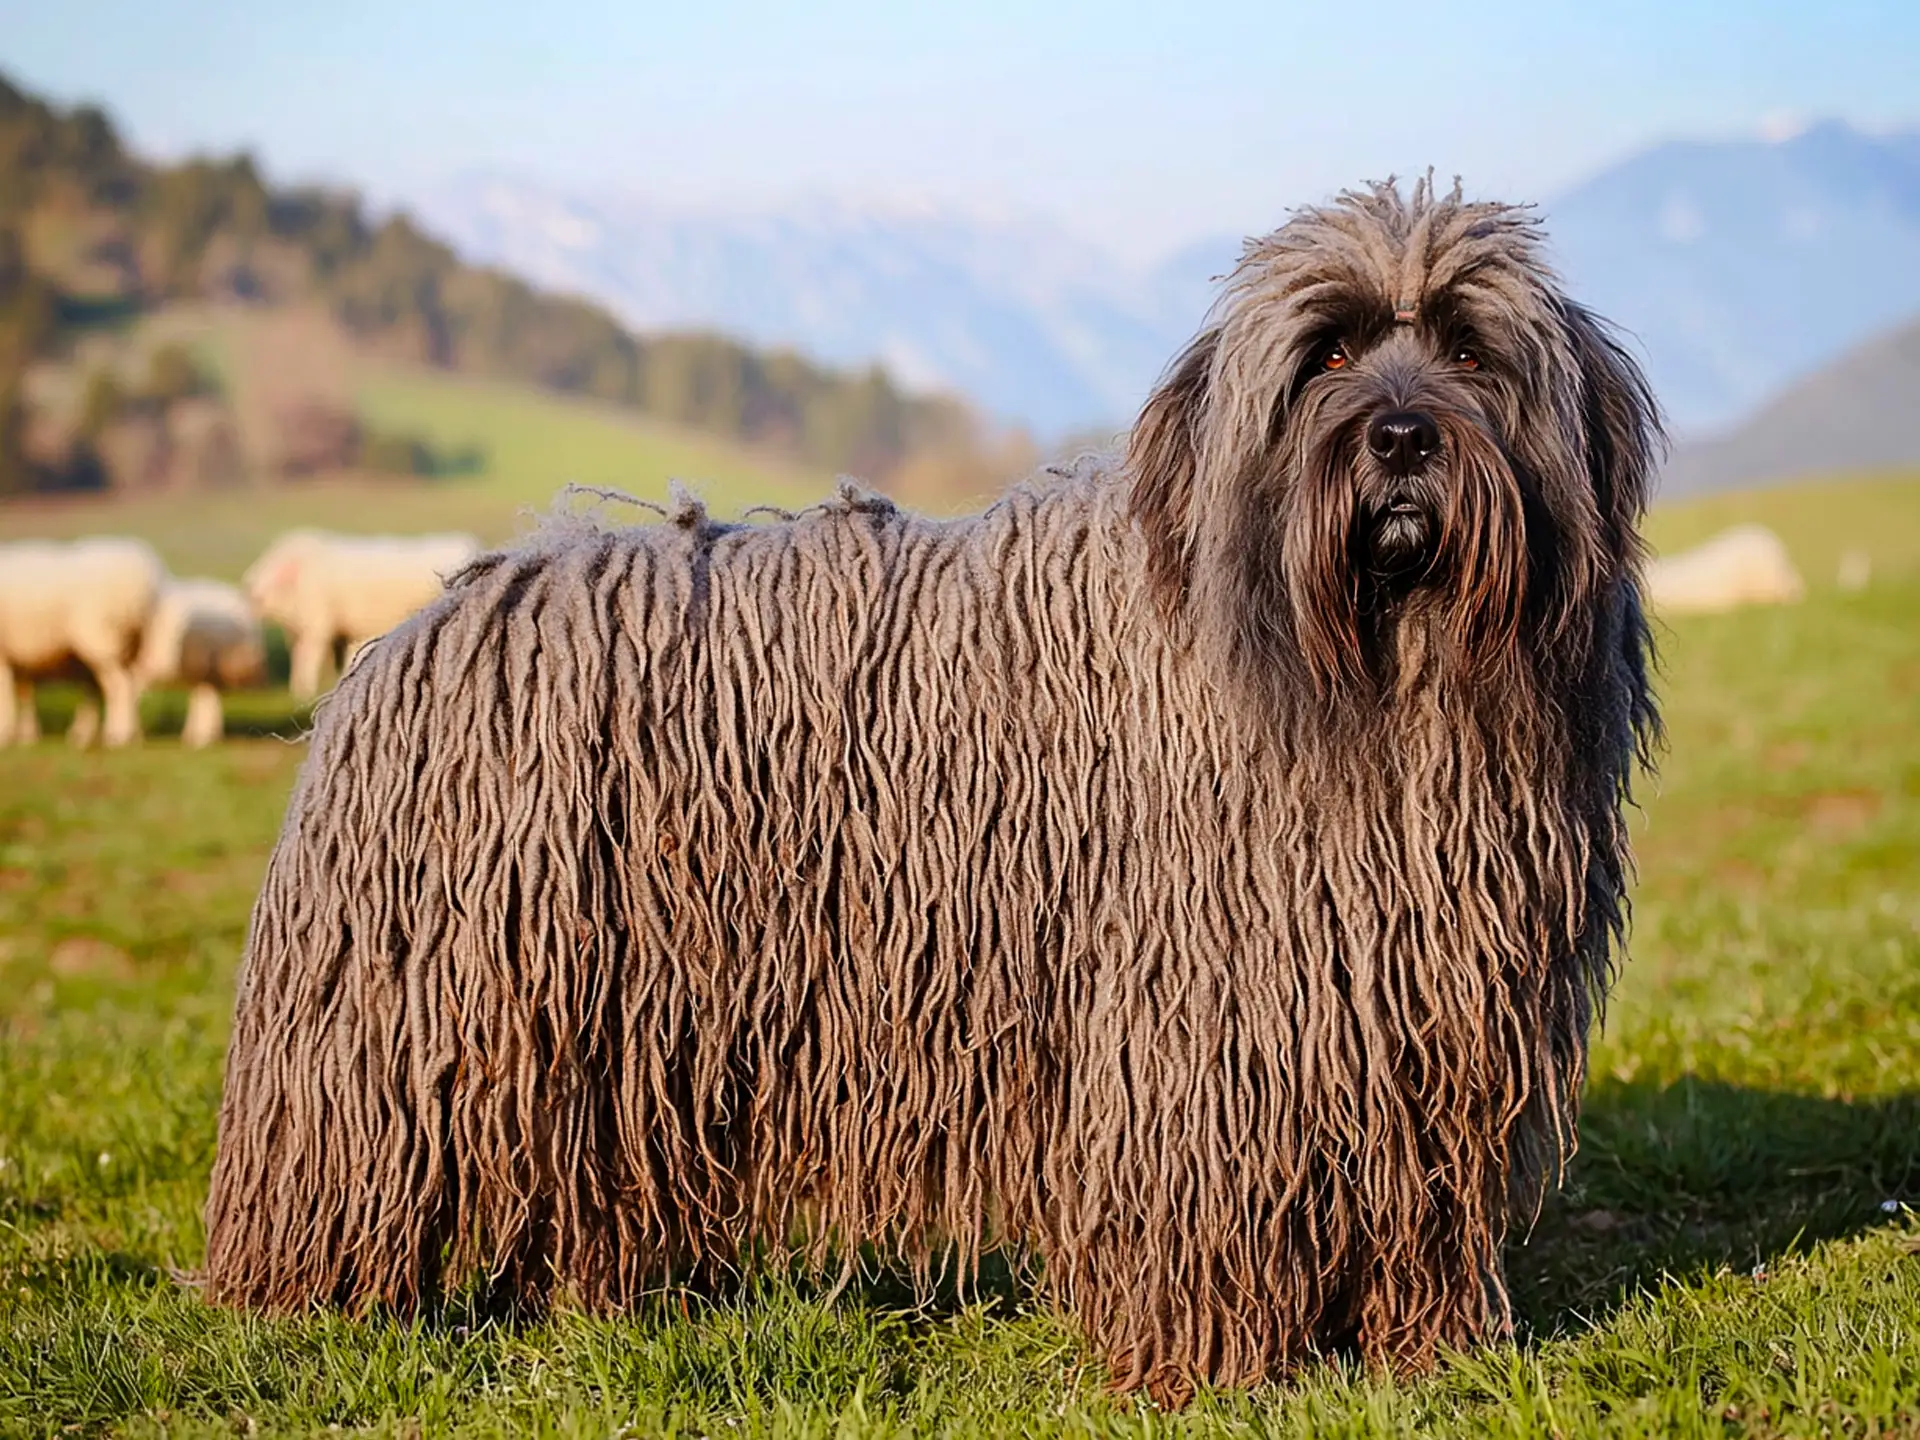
x=323 y=588
x=202 y=634
x=1746 y=565
x=74 y=608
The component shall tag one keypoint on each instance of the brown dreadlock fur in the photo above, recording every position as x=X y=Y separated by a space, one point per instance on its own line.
x=1137 y=872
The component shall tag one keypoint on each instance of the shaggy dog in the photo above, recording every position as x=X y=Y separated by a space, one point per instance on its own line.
x=1199 y=871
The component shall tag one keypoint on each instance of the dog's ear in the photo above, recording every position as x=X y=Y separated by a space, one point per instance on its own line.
x=1625 y=447
x=1625 y=442
x=1162 y=457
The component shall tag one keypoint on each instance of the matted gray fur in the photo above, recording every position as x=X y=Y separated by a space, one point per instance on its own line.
x=1200 y=871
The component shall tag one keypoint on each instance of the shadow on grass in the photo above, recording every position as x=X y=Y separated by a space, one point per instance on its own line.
x=1689 y=1177
x=89 y=1273
x=1671 y=1180
x=878 y=1285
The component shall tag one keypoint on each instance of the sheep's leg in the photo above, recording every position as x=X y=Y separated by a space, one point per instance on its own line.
x=122 y=698
x=26 y=712
x=7 y=722
x=205 y=723
x=85 y=728
x=309 y=654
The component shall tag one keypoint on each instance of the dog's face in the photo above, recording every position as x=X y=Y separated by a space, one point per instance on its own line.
x=1394 y=412
x=1398 y=408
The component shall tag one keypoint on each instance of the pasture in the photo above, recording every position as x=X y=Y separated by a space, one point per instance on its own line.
x=1737 y=1253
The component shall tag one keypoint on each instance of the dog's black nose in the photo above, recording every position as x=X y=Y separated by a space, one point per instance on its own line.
x=1403 y=440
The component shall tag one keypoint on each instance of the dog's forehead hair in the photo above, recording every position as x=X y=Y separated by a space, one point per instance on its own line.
x=1375 y=257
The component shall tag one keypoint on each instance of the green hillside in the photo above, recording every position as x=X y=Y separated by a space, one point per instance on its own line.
x=533 y=443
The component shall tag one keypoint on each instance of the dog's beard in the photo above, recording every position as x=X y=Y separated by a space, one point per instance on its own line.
x=1395 y=538
x=1364 y=552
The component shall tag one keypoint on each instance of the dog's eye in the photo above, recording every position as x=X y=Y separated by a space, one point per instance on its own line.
x=1466 y=359
x=1335 y=358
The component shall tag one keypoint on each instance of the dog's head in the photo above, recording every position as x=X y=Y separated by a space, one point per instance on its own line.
x=1393 y=412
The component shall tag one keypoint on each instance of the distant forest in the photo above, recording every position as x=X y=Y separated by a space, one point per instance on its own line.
x=89 y=234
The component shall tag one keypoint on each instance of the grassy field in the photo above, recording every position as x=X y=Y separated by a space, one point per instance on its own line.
x=1738 y=1252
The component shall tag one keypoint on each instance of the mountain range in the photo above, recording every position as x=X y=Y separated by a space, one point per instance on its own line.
x=1737 y=267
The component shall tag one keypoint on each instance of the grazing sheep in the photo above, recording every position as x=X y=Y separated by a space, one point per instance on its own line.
x=1856 y=571
x=74 y=608
x=1746 y=565
x=325 y=589
x=1201 y=869
x=203 y=634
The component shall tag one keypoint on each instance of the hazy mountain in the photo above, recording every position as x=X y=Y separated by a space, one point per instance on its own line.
x=1738 y=266
x=1030 y=324
x=1857 y=413
x=1741 y=266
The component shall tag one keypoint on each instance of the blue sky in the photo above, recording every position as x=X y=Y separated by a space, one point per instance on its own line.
x=1143 y=124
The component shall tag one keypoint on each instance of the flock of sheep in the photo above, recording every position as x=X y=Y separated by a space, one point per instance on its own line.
x=104 y=610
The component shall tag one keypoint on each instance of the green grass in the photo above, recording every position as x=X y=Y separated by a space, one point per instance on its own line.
x=1734 y=1254
x=536 y=442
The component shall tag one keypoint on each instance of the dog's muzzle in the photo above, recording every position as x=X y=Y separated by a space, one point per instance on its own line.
x=1402 y=524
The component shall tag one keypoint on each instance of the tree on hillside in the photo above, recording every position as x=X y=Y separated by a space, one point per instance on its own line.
x=27 y=314
x=85 y=142
x=26 y=320
x=186 y=206
x=101 y=403
x=16 y=475
x=391 y=294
